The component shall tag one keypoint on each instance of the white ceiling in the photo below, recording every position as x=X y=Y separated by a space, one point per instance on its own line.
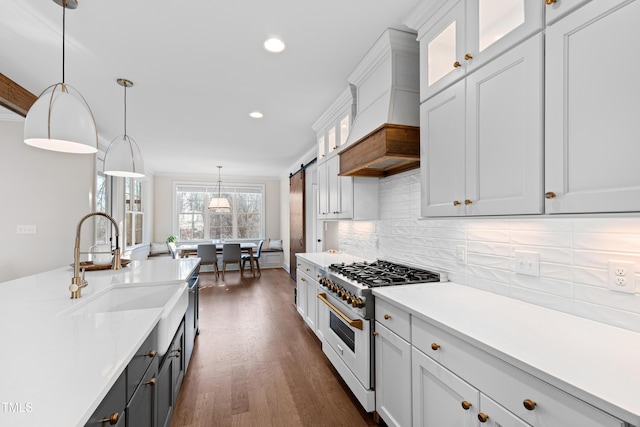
x=198 y=69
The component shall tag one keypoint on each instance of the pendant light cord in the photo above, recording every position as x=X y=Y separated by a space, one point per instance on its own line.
x=64 y=10
x=125 y=109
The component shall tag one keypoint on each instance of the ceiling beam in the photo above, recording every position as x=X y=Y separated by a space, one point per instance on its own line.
x=14 y=97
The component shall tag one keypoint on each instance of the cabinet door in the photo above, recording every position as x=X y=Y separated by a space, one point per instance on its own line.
x=323 y=191
x=301 y=294
x=497 y=416
x=322 y=151
x=494 y=26
x=178 y=354
x=438 y=395
x=312 y=305
x=442 y=139
x=592 y=109
x=333 y=169
x=504 y=133
x=559 y=8
x=442 y=50
x=393 y=377
x=141 y=410
x=165 y=399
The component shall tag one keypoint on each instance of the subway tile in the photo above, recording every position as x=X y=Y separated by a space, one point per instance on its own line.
x=614 y=242
x=542 y=284
x=610 y=316
x=541 y=238
x=547 y=253
x=590 y=276
x=600 y=259
x=607 y=225
x=489 y=248
x=542 y=224
x=556 y=271
x=488 y=224
x=542 y=299
x=607 y=298
x=497 y=275
x=502 y=263
x=488 y=235
x=489 y=285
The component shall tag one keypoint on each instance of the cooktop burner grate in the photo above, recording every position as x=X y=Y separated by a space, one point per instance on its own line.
x=384 y=273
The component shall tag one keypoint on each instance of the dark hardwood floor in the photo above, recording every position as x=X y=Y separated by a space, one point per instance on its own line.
x=256 y=363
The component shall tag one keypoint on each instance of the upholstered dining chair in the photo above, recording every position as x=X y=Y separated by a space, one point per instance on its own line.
x=208 y=256
x=231 y=254
x=256 y=257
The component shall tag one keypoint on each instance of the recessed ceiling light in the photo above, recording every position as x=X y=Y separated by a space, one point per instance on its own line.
x=256 y=114
x=274 y=45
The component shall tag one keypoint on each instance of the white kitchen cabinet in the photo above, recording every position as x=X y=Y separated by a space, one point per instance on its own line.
x=345 y=197
x=301 y=295
x=307 y=290
x=332 y=128
x=393 y=363
x=481 y=139
x=556 y=9
x=591 y=109
x=460 y=36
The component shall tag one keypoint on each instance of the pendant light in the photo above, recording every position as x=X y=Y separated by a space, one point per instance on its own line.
x=123 y=156
x=219 y=203
x=60 y=119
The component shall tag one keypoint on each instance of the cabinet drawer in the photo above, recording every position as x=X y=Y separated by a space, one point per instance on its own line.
x=394 y=318
x=140 y=363
x=308 y=268
x=507 y=385
x=113 y=403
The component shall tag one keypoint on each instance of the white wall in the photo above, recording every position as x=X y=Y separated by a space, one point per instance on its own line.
x=574 y=252
x=163 y=194
x=48 y=189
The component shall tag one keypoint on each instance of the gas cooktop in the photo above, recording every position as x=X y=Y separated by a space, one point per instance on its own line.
x=384 y=273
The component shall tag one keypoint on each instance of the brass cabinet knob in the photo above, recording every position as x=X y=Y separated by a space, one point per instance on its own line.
x=113 y=419
x=529 y=404
x=457 y=64
x=307 y=269
x=302 y=279
x=550 y=2
x=466 y=405
x=468 y=56
x=435 y=346
x=467 y=202
x=549 y=195
x=456 y=203
x=152 y=381
x=152 y=353
x=387 y=317
x=375 y=333
x=482 y=417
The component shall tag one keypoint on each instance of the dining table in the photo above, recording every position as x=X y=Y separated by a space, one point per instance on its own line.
x=187 y=249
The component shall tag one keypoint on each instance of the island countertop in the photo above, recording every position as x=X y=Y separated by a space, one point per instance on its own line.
x=57 y=367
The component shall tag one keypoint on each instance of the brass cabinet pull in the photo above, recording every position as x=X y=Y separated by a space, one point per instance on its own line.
x=375 y=333
x=550 y=2
x=482 y=417
x=152 y=381
x=353 y=323
x=435 y=346
x=466 y=405
x=152 y=353
x=529 y=404
x=468 y=56
x=549 y=195
x=387 y=317
x=457 y=64
x=467 y=202
x=113 y=419
x=456 y=203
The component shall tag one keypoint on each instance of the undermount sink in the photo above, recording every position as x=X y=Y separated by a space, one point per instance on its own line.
x=172 y=298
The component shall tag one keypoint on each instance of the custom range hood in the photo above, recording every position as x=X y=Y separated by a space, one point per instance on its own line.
x=385 y=135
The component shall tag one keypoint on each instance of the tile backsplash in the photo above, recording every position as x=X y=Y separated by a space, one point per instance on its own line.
x=574 y=252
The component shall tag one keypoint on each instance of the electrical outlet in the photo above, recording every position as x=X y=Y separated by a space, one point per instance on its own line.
x=26 y=229
x=622 y=276
x=528 y=263
x=461 y=254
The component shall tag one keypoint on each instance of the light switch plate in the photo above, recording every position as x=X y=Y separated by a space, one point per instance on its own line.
x=461 y=254
x=528 y=263
x=26 y=229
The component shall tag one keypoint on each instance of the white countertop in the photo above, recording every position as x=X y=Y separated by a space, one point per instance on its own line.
x=56 y=367
x=597 y=363
x=325 y=259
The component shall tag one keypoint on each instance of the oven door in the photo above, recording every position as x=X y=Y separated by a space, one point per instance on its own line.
x=349 y=339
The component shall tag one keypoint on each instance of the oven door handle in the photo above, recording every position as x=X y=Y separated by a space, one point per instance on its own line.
x=353 y=323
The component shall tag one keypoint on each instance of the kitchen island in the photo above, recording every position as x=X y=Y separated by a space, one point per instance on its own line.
x=58 y=361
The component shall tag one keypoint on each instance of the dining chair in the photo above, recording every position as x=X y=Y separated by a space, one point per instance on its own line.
x=256 y=257
x=208 y=256
x=231 y=254
x=173 y=249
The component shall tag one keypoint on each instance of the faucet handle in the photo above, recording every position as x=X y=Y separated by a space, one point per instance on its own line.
x=83 y=282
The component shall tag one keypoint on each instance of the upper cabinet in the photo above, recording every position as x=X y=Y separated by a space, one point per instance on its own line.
x=556 y=9
x=333 y=127
x=591 y=109
x=457 y=37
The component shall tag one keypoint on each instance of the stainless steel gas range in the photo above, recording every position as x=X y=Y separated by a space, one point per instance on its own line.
x=345 y=320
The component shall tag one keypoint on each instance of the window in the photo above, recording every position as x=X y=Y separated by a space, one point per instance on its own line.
x=103 y=227
x=134 y=214
x=195 y=221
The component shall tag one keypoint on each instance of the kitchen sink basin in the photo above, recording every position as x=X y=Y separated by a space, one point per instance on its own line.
x=172 y=298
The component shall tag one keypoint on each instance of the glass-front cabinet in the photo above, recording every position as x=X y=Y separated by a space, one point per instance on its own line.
x=332 y=128
x=463 y=35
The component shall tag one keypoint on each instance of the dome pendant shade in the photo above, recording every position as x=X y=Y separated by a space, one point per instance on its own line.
x=123 y=158
x=219 y=203
x=61 y=121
